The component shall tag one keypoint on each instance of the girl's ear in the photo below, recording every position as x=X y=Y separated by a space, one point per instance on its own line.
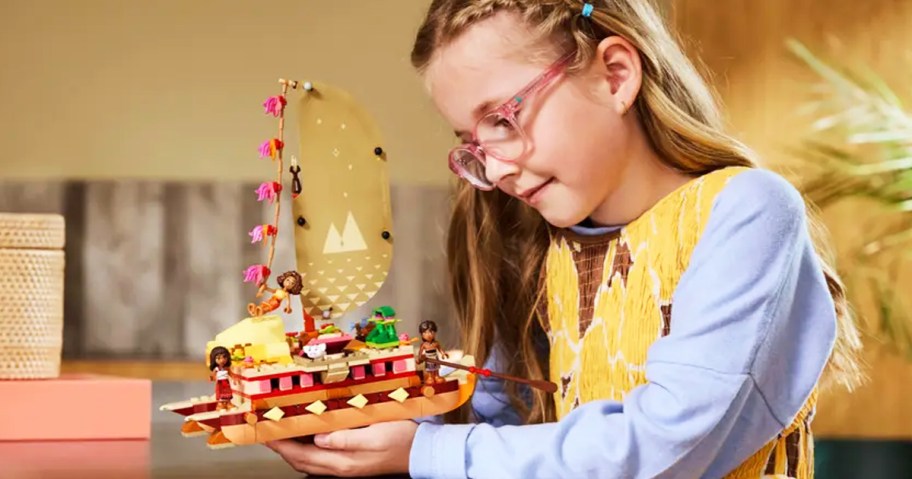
x=617 y=61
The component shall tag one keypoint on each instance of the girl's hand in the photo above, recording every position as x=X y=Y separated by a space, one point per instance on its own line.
x=378 y=449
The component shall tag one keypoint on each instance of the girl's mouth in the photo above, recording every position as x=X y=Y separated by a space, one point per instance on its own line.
x=533 y=195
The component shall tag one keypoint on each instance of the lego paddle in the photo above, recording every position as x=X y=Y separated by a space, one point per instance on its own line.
x=545 y=386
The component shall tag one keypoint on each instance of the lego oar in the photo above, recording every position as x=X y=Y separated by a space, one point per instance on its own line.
x=545 y=386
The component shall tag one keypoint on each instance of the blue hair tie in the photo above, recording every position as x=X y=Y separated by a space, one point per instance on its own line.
x=587 y=10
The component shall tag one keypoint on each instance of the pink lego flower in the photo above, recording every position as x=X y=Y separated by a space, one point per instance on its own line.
x=274 y=105
x=261 y=231
x=268 y=191
x=256 y=273
x=269 y=148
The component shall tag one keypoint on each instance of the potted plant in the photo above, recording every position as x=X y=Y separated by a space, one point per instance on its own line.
x=859 y=151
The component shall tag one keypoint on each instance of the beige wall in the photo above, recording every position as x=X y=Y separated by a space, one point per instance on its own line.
x=172 y=89
x=742 y=44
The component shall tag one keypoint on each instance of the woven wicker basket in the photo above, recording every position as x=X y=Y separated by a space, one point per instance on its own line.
x=31 y=295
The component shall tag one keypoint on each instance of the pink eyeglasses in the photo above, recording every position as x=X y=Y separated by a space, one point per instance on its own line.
x=498 y=134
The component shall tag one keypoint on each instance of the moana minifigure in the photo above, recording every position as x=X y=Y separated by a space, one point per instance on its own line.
x=219 y=365
x=290 y=283
x=430 y=349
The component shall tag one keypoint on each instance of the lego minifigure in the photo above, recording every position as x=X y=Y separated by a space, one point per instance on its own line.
x=219 y=365
x=290 y=283
x=430 y=349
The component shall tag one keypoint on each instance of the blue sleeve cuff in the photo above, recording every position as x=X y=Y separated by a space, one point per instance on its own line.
x=439 y=451
x=430 y=419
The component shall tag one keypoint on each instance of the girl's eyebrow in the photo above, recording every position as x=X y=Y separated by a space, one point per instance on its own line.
x=479 y=110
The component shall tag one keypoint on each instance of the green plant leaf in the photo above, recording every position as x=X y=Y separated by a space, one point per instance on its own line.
x=859 y=145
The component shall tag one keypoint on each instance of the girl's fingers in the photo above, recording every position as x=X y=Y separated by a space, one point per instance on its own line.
x=313 y=460
x=362 y=439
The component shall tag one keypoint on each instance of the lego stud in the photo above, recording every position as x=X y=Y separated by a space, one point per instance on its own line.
x=378 y=151
x=385 y=235
x=308 y=86
x=301 y=221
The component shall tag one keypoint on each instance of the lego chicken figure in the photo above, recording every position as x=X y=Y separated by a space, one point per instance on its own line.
x=290 y=283
x=430 y=349
x=219 y=365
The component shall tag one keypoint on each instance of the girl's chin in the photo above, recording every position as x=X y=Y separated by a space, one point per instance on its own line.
x=560 y=217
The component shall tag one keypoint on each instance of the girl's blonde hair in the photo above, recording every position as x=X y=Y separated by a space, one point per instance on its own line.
x=496 y=245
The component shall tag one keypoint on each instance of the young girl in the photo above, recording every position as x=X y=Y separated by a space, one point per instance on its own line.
x=609 y=235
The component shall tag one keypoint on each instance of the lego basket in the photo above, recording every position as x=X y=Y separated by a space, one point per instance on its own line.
x=31 y=295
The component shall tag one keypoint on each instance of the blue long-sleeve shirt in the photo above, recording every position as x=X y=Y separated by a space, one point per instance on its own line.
x=754 y=327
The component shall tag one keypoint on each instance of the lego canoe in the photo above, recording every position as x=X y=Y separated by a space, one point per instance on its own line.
x=341 y=407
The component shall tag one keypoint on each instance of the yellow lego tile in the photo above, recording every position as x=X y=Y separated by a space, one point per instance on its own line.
x=358 y=401
x=317 y=407
x=399 y=395
x=275 y=414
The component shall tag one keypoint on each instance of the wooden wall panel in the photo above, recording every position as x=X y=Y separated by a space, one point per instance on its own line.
x=741 y=44
x=214 y=233
x=154 y=269
x=123 y=247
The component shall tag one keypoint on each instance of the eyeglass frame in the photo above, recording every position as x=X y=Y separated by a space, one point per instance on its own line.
x=506 y=111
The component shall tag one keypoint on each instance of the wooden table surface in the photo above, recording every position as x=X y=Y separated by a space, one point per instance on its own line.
x=166 y=455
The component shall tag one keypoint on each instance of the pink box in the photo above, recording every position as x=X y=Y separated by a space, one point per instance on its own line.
x=106 y=459
x=77 y=406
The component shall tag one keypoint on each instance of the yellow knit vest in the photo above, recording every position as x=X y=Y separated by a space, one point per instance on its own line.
x=609 y=299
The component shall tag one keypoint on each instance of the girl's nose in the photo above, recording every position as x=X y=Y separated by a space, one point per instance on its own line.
x=498 y=170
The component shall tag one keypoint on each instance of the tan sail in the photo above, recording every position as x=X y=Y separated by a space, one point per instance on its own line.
x=342 y=217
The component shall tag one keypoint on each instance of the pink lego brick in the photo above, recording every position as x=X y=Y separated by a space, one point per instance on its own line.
x=265 y=386
x=75 y=407
x=307 y=380
x=358 y=372
x=379 y=369
x=399 y=366
x=285 y=383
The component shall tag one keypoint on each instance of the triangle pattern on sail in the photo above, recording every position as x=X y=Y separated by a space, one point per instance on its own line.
x=349 y=240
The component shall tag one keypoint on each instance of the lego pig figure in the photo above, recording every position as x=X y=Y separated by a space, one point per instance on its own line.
x=219 y=365
x=430 y=349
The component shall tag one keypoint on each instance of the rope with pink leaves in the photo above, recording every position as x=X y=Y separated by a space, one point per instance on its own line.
x=270 y=191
